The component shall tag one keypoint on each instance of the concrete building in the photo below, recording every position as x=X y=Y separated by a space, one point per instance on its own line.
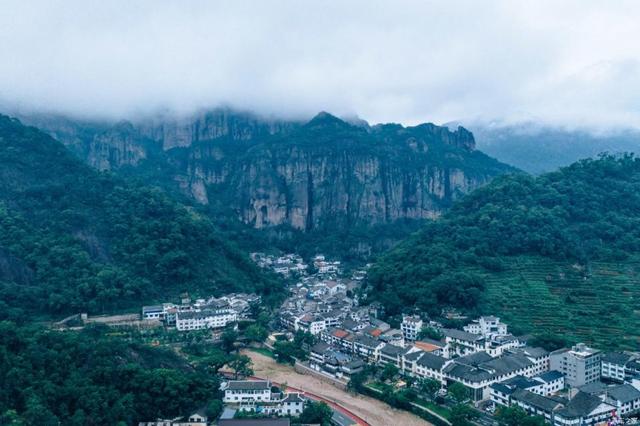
x=620 y=366
x=199 y=320
x=411 y=327
x=237 y=391
x=487 y=326
x=580 y=364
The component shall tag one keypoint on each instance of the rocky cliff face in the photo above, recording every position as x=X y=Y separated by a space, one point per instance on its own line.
x=302 y=175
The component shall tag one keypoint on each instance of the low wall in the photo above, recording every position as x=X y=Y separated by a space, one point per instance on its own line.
x=303 y=369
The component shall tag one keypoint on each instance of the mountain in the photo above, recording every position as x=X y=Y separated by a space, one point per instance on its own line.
x=73 y=238
x=539 y=149
x=304 y=176
x=556 y=253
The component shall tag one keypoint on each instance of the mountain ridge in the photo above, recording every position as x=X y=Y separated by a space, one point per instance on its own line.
x=209 y=156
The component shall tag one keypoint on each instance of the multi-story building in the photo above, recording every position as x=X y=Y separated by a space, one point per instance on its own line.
x=479 y=371
x=258 y=396
x=580 y=364
x=411 y=327
x=237 y=391
x=198 y=320
x=620 y=366
x=462 y=343
x=487 y=326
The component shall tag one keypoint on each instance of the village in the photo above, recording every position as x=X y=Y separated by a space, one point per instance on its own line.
x=480 y=364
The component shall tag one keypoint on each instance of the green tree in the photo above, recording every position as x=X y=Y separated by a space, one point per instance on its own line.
x=241 y=366
x=461 y=415
x=516 y=416
x=256 y=333
x=316 y=413
x=389 y=372
x=458 y=392
x=429 y=387
x=431 y=333
x=229 y=337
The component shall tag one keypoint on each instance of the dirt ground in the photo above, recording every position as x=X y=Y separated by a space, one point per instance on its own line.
x=375 y=412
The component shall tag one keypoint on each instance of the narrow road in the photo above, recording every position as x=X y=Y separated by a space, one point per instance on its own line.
x=366 y=410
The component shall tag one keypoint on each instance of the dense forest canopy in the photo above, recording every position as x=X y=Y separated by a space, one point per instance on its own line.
x=583 y=215
x=73 y=239
x=88 y=378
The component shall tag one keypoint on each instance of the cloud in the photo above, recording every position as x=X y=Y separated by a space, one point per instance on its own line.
x=569 y=62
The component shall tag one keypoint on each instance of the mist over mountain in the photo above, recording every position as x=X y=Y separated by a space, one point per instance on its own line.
x=537 y=148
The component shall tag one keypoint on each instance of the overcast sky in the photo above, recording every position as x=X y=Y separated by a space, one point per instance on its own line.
x=575 y=63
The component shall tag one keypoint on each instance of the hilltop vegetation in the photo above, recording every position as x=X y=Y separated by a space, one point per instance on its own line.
x=72 y=238
x=554 y=253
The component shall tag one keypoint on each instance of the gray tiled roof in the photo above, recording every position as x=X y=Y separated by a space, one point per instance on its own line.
x=550 y=376
x=538 y=401
x=520 y=382
x=413 y=355
x=431 y=361
x=320 y=348
x=580 y=405
x=293 y=398
x=461 y=335
x=249 y=385
x=474 y=369
x=623 y=393
x=391 y=350
x=254 y=422
x=474 y=358
x=533 y=352
x=619 y=358
x=594 y=388
x=366 y=341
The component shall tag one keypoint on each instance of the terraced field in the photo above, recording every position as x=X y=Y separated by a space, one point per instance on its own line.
x=598 y=304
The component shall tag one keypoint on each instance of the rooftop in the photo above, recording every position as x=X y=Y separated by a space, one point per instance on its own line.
x=461 y=335
x=619 y=358
x=254 y=422
x=541 y=402
x=248 y=385
x=623 y=393
x=580 y=405
x=431 y=361
x=550 y=376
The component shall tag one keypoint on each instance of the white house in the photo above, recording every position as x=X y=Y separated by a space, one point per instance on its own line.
x=487 y=326
x=237 y=391
x=411 y=327
x=199 y=320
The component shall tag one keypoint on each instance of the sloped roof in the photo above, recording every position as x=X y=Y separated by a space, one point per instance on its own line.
x=391 y=350
x=431 y=361
x=413 y=355
x=461 y=335
x=538 y=401
x=619 y=358
x=581 y=405
x=293 y=398
x=320 y=348
x=550 y=376
x=249 y=385
x=623 y=393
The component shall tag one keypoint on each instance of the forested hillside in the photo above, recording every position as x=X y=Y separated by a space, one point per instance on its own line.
x=559 y=252
x=72 y=238
x=88 y=378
